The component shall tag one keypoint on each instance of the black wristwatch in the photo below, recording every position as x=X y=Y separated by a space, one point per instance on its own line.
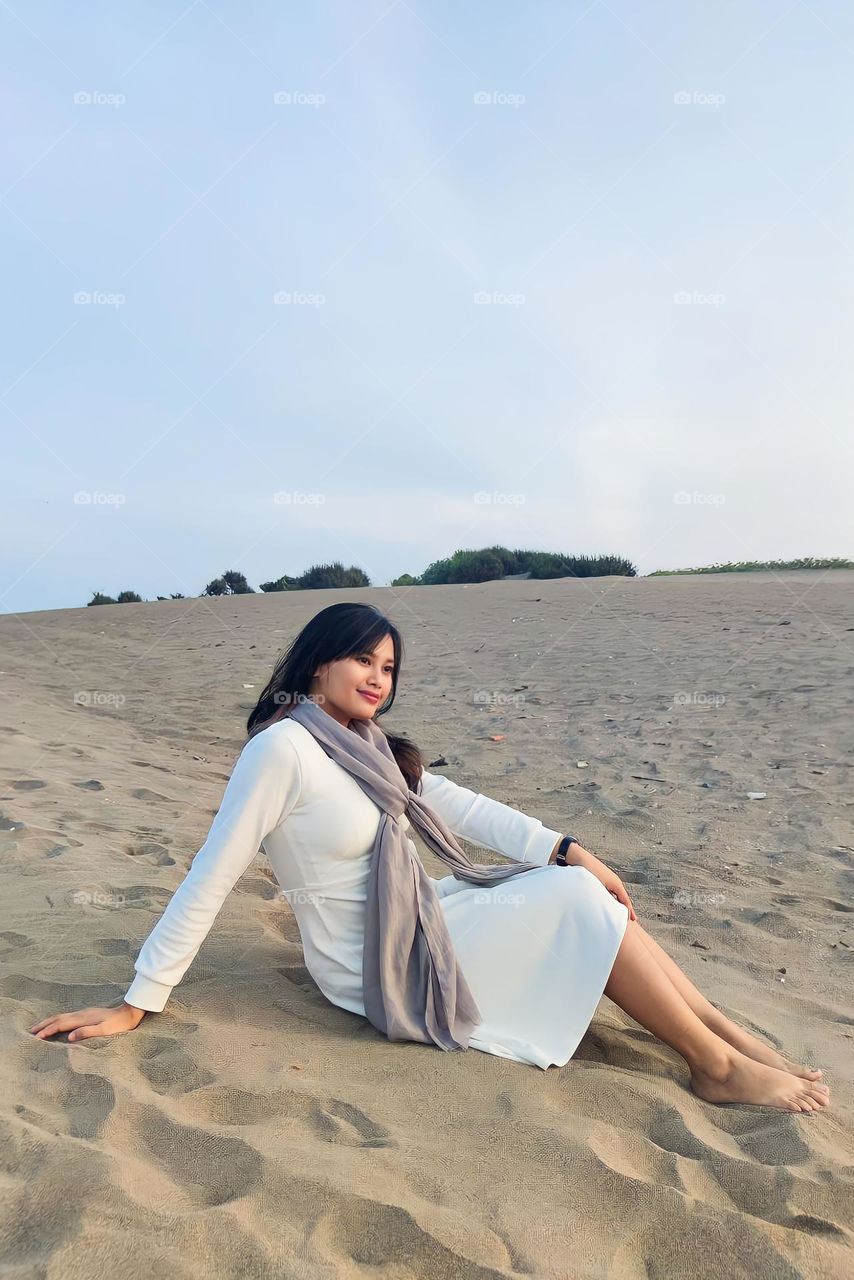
x=563 y=847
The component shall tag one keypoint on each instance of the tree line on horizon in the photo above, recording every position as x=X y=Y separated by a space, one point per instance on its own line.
x=469 y=566
x=756 y=566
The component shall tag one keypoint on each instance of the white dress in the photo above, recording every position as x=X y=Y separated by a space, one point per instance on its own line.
x=536 y=950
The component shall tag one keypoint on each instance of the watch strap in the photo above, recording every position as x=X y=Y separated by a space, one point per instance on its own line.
x=563 y=847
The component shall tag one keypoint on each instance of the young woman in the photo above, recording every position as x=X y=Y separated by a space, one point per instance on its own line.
x=537 y=950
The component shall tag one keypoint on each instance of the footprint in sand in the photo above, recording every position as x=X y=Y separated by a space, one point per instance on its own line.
x=210 y=1168
x=158 y=854
x=340 y=1122
x=143 y=793
x=29 y=784
x=91 y=784
x=153 y=833
x=333 y=1119
x=772 y=1145
x=12 y=939
x=386 y=1237
x=59 y=1099
x=168 y=1067
x=113 y=947
x=833 y=905
x=148 y=764
x=774 y=922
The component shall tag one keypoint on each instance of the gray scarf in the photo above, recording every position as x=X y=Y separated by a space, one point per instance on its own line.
x=413 y=988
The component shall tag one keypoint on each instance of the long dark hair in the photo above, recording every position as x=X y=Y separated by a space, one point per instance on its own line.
x=339 y=631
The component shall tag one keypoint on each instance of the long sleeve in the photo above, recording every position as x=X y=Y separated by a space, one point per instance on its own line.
x=488 y=822
x=263 y=788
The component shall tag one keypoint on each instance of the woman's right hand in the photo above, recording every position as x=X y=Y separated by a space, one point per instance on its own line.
x=85 y=1023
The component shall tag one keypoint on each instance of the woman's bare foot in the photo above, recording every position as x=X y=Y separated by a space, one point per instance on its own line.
x=754 y=1048
x=741 y=1079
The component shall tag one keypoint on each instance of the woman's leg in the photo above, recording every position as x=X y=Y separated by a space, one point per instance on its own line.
x=718 y=1022
x=719 y=1072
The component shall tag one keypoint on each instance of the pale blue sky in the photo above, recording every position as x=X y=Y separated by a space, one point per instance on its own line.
x=656 y=200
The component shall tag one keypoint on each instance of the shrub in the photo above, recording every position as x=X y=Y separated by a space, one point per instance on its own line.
x=464 y=566
x=284 y=583
x=231 y=583
x=494 y=562
x=333 y=575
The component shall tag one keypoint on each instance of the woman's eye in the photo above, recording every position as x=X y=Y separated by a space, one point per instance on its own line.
x=389 y=670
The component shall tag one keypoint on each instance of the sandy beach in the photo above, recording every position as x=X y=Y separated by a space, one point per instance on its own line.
x=253 y=1129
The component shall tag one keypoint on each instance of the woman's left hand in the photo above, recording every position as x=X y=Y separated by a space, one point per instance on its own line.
x=578 y=856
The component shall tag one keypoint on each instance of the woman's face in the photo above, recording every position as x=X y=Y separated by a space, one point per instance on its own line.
x=338 y=686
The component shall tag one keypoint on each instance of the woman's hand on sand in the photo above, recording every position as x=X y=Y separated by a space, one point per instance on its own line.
x=83 y=1024
x=578 y=856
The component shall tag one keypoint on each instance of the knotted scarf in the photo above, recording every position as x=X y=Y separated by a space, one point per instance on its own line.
x=413 y=988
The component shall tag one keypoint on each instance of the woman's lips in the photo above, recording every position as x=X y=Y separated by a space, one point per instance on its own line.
x=374 y=698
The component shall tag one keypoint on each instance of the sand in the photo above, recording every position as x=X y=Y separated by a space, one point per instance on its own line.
x=253 y=1129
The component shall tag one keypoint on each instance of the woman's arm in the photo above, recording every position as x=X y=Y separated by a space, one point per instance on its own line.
x=488 y=822
x=263 y=788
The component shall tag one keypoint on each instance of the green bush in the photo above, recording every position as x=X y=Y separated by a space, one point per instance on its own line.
x=231 y=583
x=464 y=566
x=509 y=560
x=284 y=583
x=496 y=562
x=333 y=575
